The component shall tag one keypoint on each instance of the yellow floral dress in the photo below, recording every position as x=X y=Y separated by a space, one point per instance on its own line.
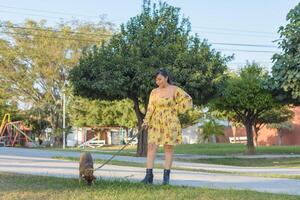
x=162 y=117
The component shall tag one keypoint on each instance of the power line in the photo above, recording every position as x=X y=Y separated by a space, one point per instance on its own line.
x=196 y=27
x=210 y=32
x=63 y=38
x=103 y=34
x=236 y=34
x=242 y=63
x=239 y=44
x=229 y=63
x=30 y=14
x=45 y=11
x=60 y=38
x=49 y=30
x=215 y=49
x=233 y=30
x=244 y=50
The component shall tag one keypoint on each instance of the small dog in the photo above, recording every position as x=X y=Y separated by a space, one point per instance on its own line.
x=86 y=168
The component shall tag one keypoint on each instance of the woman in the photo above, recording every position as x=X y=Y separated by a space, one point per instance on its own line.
x=165 y=103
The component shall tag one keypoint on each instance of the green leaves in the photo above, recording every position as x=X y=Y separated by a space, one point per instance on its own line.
x=191 y=117
x=246 y=95
x=36 y=61
x=247 y=99
x=210 y=128
x=286 y=68
x=86 y=112
x=124 y=66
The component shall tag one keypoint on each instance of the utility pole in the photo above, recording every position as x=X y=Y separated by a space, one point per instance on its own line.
x=63 y=73
x=64 y=119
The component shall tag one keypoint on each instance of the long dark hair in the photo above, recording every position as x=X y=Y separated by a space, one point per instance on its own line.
x=164 y=73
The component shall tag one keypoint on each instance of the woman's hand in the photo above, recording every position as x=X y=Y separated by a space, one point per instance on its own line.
x=145 y=125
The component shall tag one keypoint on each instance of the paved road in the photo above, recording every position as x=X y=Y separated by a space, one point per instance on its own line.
x=201 y=166
x=39 y=162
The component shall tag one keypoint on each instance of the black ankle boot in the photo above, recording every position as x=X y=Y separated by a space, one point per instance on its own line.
x=166 y=177
x=149 y=177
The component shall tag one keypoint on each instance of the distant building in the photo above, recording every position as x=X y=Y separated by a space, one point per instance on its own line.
x=269 y=136
x=190 y=135
x=105 y=135
x=119 y=135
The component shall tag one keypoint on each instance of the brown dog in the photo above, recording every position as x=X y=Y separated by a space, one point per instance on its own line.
x=86 y=168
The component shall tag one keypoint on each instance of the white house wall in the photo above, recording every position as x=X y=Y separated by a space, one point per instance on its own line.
x=190 y=134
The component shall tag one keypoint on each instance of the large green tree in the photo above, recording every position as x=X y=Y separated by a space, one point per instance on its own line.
x=35 y=61
x=84 y=112
x=246 y=98
x=286 y=68
x=8 y=105
x=278 y=114
x=124 y=66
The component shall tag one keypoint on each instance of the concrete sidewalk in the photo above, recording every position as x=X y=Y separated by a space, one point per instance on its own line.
x=200 y=166
x=200 y=156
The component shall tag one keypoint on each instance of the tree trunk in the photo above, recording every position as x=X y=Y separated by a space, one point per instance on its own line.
x=234 y=133
x=233 y=128
x=250 y=144
x=142 y=144
x=256 y=139
x=255 y=136
x=142 y=137
x=56 y=124
x=279 y=135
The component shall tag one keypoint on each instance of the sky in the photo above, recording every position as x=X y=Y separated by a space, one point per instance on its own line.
x=231 y=26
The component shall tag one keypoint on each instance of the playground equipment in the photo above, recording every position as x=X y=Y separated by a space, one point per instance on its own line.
x=13 y=133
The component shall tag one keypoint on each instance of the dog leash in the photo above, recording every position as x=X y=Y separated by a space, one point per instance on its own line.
x=114 y=155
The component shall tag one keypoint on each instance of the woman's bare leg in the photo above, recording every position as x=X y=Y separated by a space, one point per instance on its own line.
x=169 y=149
x=151 y=155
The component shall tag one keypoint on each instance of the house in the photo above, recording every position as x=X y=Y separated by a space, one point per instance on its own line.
x=98 y=136
x=190 y=135
x=268 y=136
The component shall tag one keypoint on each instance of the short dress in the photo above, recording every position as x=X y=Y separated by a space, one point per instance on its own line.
x=162 y=117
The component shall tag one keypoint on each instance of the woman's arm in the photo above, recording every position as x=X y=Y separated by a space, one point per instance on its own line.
x=150 y=109
x=184 y=101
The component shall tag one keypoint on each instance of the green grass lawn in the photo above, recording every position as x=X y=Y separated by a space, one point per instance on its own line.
x=21 y=187
x=112 y=162
x=200 y=149
x=232 y=149
x=129 y=151
x=250 y=162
